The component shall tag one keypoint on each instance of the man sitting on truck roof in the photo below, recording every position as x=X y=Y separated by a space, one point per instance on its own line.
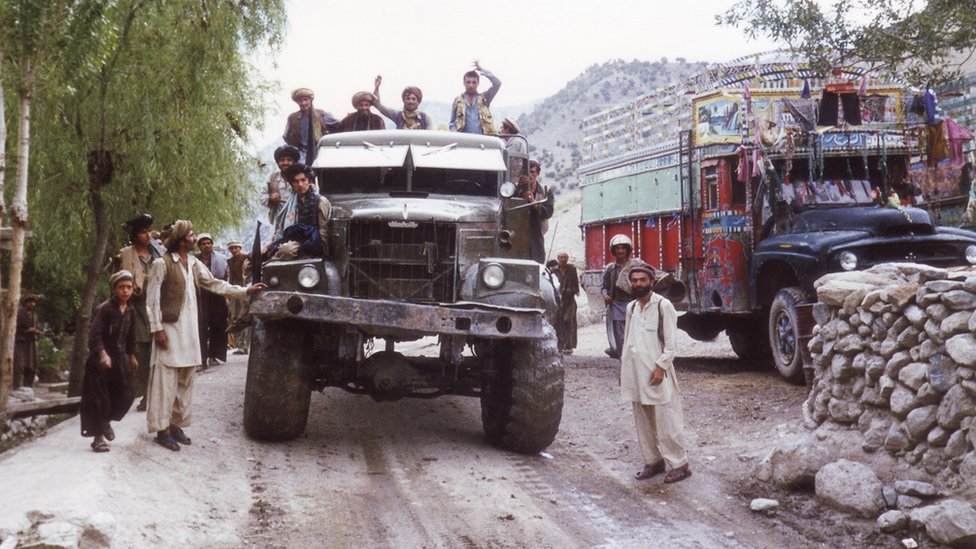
x=307 y=125
x=470 y=113
x=362 y=119
x=409 y=118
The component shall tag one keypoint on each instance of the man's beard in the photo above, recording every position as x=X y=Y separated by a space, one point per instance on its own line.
x=640 y=292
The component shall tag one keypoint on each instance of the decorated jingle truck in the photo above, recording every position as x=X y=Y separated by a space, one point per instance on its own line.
x=754 y=178
x=425 y=239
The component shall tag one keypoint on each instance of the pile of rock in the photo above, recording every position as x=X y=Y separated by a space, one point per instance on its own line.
x=41 y=530
x=14 y=431
x=895 y=355
x=894 y=393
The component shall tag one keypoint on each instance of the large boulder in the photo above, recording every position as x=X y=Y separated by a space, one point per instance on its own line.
x=834 y=291
x=962 y=349
x=957 y=404
x=794 y=465
x=920 y=420
x=950 y=522
x=851 y=487
x=959 y=300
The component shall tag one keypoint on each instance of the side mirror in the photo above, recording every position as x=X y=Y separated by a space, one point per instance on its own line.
x=507 y=190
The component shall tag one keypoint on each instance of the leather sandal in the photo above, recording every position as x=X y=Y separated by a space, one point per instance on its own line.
x=650 y=470
x=166 y=441
x=677 y=474
x=178 y=435
x=100 y=446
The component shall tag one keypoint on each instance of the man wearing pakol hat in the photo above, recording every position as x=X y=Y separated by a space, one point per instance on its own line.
x=305 y=127
x=277 y=190
x=25 y=343
x=136 y=259
x=106 y=394
x=410 y=118
x=648 y=381
x=362 y=119
x=235 y=275
x=213 y=307
x=470 y=113
x=172 y=304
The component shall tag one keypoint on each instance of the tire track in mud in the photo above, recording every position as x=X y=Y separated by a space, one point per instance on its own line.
x=603 y=512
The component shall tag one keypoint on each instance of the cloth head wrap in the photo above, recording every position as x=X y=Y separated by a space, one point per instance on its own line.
x=118 y=277
x=176 y=232
x=29 y=297
x=137 y=224
x=302 y=92
x=204 y=236
x=287 y=150
x=414 y=90
x=363 y=96
x=511 y=123
x=233 y=243
x=644 y=268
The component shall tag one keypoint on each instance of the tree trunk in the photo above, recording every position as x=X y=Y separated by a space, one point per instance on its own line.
x=100 y=175
x=6 y=369
x=19 y=221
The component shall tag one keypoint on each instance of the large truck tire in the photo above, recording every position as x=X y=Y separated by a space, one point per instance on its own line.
x=784 y=335
x=522 y=404
x=749 y=340
x=278 y=392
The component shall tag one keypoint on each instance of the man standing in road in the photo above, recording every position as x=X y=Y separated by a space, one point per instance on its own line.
x=569 y=288
x=172 y=307
x=136 y=258
x=307 y=125
x=647 y=379
x=542 y=208
x=235 y=275
x=613 y=295
x=213 y=307
x=470 y=112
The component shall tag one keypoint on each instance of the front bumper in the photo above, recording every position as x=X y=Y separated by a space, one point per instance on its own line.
x=378 y=317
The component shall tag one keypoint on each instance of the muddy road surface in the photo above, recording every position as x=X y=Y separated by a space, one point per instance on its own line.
x=418 y=473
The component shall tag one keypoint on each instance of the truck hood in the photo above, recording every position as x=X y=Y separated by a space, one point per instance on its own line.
x=441 y=208
x=873 y=220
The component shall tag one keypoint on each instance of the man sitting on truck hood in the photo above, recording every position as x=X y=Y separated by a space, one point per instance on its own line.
x=302 y=227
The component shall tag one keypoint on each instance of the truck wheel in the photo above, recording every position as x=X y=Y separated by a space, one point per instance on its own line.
x=749 y=340
x=522 y=405
x=278 y=391
x=784 y=335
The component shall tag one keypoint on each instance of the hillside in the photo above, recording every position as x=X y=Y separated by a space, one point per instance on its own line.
x=553 y=125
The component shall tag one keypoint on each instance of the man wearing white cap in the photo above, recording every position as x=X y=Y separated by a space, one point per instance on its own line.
x=307 y=125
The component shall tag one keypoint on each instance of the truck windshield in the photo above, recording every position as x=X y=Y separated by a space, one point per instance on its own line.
x=829 y=192
x=428 y=180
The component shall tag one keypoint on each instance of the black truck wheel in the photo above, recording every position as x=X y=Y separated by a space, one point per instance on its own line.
x=784 y=335
x=749 y=340
x=278 y=391
x=522 y=404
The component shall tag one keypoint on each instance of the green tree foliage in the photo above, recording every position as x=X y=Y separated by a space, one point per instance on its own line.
x=146 y=109
x=916 y=38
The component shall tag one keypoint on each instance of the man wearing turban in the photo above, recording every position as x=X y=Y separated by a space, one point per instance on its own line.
x=305 y=127
x=647 y=378
x=172 y=307
x=410 y=118
x=362 y=119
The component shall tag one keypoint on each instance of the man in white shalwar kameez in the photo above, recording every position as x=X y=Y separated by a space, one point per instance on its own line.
x=171 y=302
x=647 y=379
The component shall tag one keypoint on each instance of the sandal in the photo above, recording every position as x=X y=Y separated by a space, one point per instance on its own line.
x=100 y=446
x=650 y=470
x=166 y=441
x=178 y=435
x=677 y=474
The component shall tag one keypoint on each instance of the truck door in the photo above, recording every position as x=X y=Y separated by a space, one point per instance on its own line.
x=726 y=238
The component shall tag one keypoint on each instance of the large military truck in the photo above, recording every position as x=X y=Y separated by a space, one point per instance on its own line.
x=425 y=239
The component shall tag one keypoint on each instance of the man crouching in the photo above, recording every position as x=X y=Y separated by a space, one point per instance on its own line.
x=171 y=302
x=648 y=380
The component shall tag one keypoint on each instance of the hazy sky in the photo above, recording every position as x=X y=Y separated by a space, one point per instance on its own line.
x=337 y=47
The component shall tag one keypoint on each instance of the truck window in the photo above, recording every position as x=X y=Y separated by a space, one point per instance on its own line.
x=385 y=180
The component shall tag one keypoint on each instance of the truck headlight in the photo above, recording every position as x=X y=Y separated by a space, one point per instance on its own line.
x=493 y=276
x=971 y=254
x=848 y=261
x=308 y=277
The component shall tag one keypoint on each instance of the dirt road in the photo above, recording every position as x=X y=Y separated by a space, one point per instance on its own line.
x=418 y=473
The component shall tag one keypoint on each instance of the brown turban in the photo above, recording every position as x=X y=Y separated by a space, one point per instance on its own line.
x=302 y=92
x=363 y=96
x=414 y=90
x=176 y=232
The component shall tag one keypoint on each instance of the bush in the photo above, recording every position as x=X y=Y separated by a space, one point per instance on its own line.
x=50 y=358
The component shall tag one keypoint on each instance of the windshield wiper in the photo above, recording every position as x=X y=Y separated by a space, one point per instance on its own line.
x=440 y=149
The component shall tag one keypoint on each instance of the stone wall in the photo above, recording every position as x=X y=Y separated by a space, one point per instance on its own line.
x=895 y=358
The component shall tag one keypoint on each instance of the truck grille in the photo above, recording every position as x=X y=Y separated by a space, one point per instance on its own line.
x=404 y=261
x=935 y=254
